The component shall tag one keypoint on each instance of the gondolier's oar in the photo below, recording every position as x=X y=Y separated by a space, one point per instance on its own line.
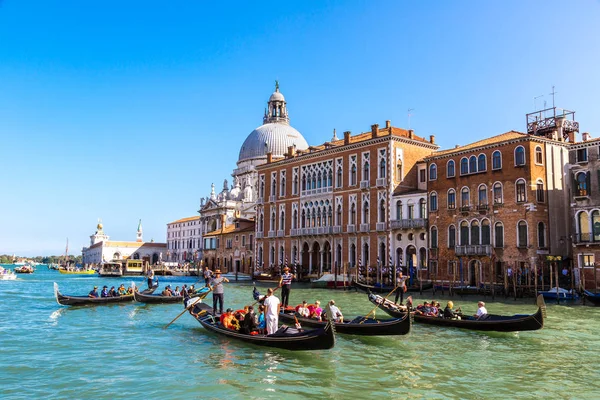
x=384 y=299
x=274 y=290
x=200 y=298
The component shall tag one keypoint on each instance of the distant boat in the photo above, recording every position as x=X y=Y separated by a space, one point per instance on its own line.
x=7 y=274
x=77 y=271
x=25 y=269
x=559 y=294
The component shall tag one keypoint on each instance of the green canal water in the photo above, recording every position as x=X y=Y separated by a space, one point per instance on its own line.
x=122 y=351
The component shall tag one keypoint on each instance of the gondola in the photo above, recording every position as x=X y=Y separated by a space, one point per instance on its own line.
x=358 y=326
x=285 y=338
x=498 y=323
x=594 y=298
x=65 y=300
x=142 y=297
x=387 y=289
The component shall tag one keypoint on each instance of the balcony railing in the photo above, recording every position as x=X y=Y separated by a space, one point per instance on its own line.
x=351 y=229
x=381 y=182
x=408 y=223
x=271 y=234
x=259 y=235
x=280 y=233
x=482 y=207
x=364 y=184
x=272 y=198
x=474 y=250
x=364 y=227
x=380 y=226
x=260 y=200
x=337 y=229
x=586 y=238
x=465 y=208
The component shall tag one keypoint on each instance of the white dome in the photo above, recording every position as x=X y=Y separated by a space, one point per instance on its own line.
x=276 y=96
x=274 y=138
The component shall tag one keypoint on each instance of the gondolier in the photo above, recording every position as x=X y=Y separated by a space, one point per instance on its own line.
x=216 y=285
x=286 y=285
x=207 y=275
x=150 y=276
x=400 y=287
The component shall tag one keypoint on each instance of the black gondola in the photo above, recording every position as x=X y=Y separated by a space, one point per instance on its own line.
x=388 y=289
x=156 y=298
x=365 y=327
x=65 y=300
x=499 y=323
x=285 y=338
x=594 y=298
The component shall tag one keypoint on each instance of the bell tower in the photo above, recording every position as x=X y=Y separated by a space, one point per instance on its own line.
x=277 y=110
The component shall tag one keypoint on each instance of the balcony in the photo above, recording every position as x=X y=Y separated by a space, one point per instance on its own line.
x=380 y=226
x=465 y=208
x=364 y=185
x=474 y=250
x=417 y=223
x=482 y=207
x=351 y=229
x=272 y=198
x=586 y=238
x=259 y=235
x=280 y=233
x=364 y=227
x=271 y=234
x=381 y=182
x=337 y=229
x=260 y=200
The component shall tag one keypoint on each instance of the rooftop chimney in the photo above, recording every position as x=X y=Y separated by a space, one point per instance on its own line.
x=432 y=139
x=269 y=158
x=585 y=136
x=411 y=134
x=388 y=124
x=290 y=151
x=374 y=130
x=347 y=137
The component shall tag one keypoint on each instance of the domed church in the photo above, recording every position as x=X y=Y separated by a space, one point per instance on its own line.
x=274 y=136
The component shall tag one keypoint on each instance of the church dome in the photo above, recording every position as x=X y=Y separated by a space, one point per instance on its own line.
x=277 y=96
x=274 y=138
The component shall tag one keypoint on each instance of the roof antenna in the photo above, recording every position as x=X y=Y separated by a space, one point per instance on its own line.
x=534 y=102
x=553 y=93
x=409 y=115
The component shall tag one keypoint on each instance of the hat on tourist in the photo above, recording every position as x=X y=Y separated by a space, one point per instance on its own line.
x=104 y=287
x=168 y=285
x=229 y=310
x=217 y=271
x=286 y=268
x=95 y=287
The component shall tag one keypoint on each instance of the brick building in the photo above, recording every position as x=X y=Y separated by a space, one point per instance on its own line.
x=496 y=204
x=230 y=247
x=330 y=206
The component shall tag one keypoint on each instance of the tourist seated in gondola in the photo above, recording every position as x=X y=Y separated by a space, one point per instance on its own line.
x=129 y=290
x=184 y=292
x=122 y=291
x=302 y=310
x=316 y=310
x=167 y=291
x=449 y=312
x=424 y=309
x=434 y=309
x=94 y=292
x=481 y=313
x=176 y=292
x=191 y=290
x=336 y=313
x=249 y=322
x=104 y=292
x=229 y=321
x=261 y=322
x=112 y=292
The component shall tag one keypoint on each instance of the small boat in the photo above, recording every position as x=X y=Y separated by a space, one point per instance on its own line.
x=65 y=300
x=358 y=326
x=110 y=269
x=331 y=280
x=142 y=297
x=498 y=323
x=559 y=294
x=77 y=271
x=285 y=338
x=387 y=289
x=594 y=298
x=7 y=274
x=24 y=269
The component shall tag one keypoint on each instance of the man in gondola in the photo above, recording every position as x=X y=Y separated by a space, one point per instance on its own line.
x=207 y=275
x=481 y=311
x=94 y=292
x=249 y=322
x=216 y=285
x=400 y=287
x=104 y=292
x=272 y=308
x=286 y=286
x=150 y=276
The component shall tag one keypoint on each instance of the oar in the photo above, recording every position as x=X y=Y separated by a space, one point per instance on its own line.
x=385 y=298
x=274 y=290
x=200 y=298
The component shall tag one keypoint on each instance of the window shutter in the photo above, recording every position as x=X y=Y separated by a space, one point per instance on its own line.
x=588 y=182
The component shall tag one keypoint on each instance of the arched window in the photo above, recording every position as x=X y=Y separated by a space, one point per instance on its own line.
x=481 y=163
x=319 y=180
x=339 y=177
x=432 y=203
x=584 y=226
x=582 y=184
x=465 y=200
x=329 y=179
x=520 y=190
x=423 y=207
x=273 y=219
x=539 y=156
x=451 y=236
x=303 y=182
x=486 y=236
x=273 y=187
x=353 y=214
x=260 y=223
x=499 y=235
x=319 y=216
x=399 y=209
x=353 y=175
x=434 y=237
x=464 y=166
x=338 y=216
x=464 y=233
x=282 y=221
x=382 y=210
x=262 y=189
x=450 y=169
x=282 y=188
x=472 y=164
x=596 y=225
x=295 y=219
x=314 y=181
x=522 y=234
x=303 y=219
x=314 y=218
x=451 y=199
x=540 y=193
x=520 y=156
x=475 y=232
x=541 y=235
x=296 y=184
x=432 y=172
x=366 y=171
x=382 y=168
x=496 y=160
x=498 y=197
x=482 y=196
x=365 y=217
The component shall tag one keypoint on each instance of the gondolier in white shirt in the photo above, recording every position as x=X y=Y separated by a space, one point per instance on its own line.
x=272 y=307
x=285 y=283
x=400 y=286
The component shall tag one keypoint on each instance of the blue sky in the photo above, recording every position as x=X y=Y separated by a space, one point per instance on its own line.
x=124 y=110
